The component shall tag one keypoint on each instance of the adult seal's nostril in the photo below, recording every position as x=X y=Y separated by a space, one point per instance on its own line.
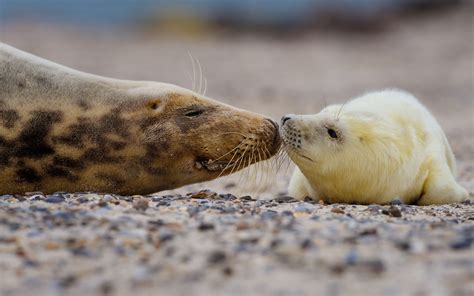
x=284 y=119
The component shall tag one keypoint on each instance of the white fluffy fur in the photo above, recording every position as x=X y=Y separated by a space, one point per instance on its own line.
x=388 y=146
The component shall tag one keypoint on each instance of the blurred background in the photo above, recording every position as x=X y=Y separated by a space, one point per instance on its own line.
x=269 y=56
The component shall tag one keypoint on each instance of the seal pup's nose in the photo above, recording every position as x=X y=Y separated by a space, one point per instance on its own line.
x=285 y=119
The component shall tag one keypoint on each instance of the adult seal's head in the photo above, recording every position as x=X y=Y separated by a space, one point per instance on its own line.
x=373 y=149
x=65 y=130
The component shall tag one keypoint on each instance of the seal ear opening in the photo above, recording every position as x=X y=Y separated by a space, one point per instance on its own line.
x=153 y=104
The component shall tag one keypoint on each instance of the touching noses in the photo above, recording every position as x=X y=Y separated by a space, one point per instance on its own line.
x=285 y=118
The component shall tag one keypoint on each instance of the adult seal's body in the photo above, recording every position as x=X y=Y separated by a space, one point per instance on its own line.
x=376 y=148
x=65 y=130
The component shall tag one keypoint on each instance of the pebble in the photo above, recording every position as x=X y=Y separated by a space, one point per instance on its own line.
x=20 y=198
x=337 y=210
x=83 y=199
x=392 y=211
x=166 y=235
x=269 y=215
x=55 y=199
x=285 y=199
x=227 y=196
x=206 y=226
x=203 y=194
x=396 y=202
x=462 y=243
x=304 y=207
x=351 y=258
x=375 y=208
x=140 y=204
x=163 y=203
x=217 y=257
x=193 y=210
x=306 y=243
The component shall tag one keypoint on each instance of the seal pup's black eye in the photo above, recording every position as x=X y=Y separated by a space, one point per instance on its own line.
x=194 y=113
x=332 y=133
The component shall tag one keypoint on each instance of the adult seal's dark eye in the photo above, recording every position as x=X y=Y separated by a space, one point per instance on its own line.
x=332 y=133
x=194 y=113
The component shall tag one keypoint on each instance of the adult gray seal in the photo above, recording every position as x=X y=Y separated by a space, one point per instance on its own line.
x=66 y=130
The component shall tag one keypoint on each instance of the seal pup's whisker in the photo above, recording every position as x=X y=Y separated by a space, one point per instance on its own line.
x=340 y=109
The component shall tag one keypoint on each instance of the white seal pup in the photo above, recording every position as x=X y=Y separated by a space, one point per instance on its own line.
x=373 y=149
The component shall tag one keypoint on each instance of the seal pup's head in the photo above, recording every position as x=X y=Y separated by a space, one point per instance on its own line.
x=348 y=152
x=197 y=138
x=335 y=141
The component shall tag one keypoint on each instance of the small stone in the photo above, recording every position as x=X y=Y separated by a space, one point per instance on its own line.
x=462 y=243
x=140 y=204
x=351 y=258
x=163 y=203
x=217 y=257
x=269 y=215
x=374 y=208
x=304 y=207
x=203 y=194
x=166 y=235
x=36 y=197
x=306 y=244
x=228 y=210
x=368 y=231
x=246 y=197
x=228 y=271
x=67 y=281
x=55 y=199
x=392 y=211
x=206 y=226
x=33 y=193
x=192 y=210
x=375 y=266
x=285 y=199
x=287 y=214
x=83 y=199
x=20 y=198
x=103 y=202
x=337 y=210
x=227 y=196
x=396 y=202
